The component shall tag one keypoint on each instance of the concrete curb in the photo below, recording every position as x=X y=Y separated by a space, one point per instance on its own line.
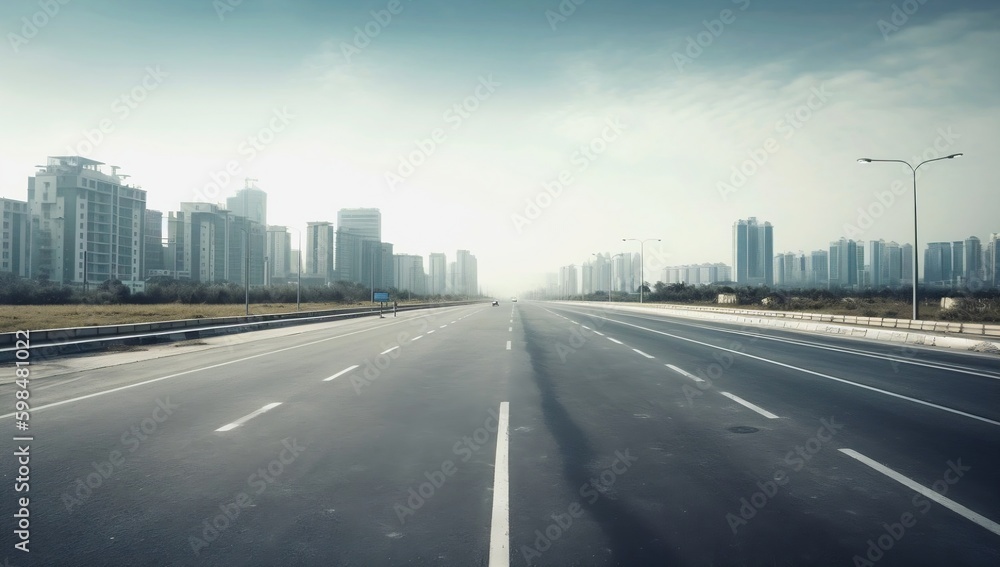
x=943 y=340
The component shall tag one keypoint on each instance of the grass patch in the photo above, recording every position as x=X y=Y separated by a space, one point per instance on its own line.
x=34 y=317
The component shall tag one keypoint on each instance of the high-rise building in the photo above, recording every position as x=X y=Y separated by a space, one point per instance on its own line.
x=602 y=273
x=818 y=268
x=85 y=223
x=278 y=257
x=209 y=244
x=877 y=266
x=152 y=250
x=568 y=284
x=15 y=240
x=937 y=264
x=893 y=268
x=587 y=278
x=296 y=262
x=973 y=262
x=365 y=223
x=466 y=274
x=376 y=265
x=753 y=252
x=319 y=251
x=991 y=260
x=789 y=269
x=958 y=263
x=408 y=272
x=438 y=274
x=251 y=203
x=843 y=272
x=906 y=258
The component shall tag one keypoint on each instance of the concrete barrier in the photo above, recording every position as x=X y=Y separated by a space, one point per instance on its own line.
x=76 y=339
x=928 y=326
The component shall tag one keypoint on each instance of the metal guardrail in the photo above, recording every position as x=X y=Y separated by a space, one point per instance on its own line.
x=55 y=342
x=980 y=329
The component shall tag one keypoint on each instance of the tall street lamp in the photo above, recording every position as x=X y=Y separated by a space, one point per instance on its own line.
x=642 y=263
x=916 y=305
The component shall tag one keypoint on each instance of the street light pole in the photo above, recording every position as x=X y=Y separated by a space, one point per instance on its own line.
x=916 y=304
x=642 y=263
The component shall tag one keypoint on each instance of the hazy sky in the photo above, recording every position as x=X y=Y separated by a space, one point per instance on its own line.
x=643 y=108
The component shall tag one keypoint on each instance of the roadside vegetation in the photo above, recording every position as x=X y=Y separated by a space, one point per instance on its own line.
x=26 y=304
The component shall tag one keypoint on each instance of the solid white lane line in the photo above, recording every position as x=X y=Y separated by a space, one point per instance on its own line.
x=248 y=417
x=847 y=350
x=500 y=521
x=508 y=345
x=643 y=354
x=388 y=350
x=192 y=371
x=615 y=340
x=684 y=373
x=931 y=494
x=814 y=373
x=341 y=373
x=754 y=407
x=416 y=338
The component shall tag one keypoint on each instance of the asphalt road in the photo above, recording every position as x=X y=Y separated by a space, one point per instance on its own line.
x=525 y=434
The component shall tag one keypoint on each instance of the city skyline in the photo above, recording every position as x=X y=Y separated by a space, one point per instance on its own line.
x=526 y=137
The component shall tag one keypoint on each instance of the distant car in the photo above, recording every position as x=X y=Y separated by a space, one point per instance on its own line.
x=496 y=303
